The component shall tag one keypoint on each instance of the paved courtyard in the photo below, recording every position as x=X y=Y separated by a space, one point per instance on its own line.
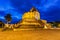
x=42 y=34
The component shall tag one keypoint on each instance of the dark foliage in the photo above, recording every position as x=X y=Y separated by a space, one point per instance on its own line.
x=8 y=17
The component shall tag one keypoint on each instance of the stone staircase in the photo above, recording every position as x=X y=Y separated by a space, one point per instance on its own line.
x=30 y=24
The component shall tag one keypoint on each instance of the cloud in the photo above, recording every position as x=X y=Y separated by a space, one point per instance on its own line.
x=49 y=9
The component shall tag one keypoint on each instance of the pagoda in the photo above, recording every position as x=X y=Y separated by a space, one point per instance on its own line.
x=31 y=19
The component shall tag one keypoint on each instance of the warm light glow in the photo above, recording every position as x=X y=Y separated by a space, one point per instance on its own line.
x=31 y=15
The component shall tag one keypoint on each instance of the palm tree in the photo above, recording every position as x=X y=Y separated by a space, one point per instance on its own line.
x=8 y=19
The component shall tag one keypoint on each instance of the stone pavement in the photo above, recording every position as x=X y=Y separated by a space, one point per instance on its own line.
x=42 y=34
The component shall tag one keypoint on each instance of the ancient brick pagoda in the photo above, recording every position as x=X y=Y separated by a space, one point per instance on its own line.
x=31 y=19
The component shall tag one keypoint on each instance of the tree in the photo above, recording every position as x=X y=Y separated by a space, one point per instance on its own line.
x=8 y=17
x=1 y=24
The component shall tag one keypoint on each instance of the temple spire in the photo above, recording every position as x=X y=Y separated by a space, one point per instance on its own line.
x=33 y=9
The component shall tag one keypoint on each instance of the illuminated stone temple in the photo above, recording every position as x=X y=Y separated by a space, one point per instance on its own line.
x=31 y=19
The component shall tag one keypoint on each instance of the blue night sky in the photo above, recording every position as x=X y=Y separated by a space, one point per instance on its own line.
x=49 y=9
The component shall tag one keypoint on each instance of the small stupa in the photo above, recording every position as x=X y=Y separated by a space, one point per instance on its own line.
x=31 y=19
